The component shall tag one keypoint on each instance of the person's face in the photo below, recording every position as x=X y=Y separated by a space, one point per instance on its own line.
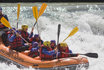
x=26 y=29
x=64 y=48
x=12 y=31
x=52 y=44
x=17 y=34
x=37 y=38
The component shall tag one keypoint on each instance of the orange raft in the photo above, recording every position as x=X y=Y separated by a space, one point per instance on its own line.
x=26 y=61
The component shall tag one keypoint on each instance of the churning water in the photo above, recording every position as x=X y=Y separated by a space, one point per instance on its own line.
x=89 y=19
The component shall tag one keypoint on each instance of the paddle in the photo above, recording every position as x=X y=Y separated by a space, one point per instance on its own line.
x=35 y=13
x=72 y=33
x=7 y=24
x=58 y=35
x=43 y=7
x=18 y=11
x=92 y=55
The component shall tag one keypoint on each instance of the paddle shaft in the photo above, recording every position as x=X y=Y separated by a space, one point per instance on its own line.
x=92 y=55
x=33 y=26
x=58 y=34
x=17 y=24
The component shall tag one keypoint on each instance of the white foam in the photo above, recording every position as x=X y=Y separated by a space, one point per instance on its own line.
x=89 y=38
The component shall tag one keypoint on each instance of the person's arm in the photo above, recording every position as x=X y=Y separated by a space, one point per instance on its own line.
x=30 y=35
x=70 y=51
x=48 y=52
x=11 y=39
x=34 y=49
x=8 y=36
x=41 y=41
x=31 y=39
x=5 y=16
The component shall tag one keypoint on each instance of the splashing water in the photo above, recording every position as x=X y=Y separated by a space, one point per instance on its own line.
x=88 y=18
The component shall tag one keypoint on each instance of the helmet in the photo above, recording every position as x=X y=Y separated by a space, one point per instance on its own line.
x=35 y=44
x=63 y=44
x=24 y=27
x=53 y=41
x=36 y=35
x=0 y=9
x=46 y=43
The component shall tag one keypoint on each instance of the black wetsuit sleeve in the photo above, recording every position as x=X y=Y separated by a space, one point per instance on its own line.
x=5 y=16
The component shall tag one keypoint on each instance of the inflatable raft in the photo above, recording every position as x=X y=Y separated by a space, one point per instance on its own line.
x=23 y=60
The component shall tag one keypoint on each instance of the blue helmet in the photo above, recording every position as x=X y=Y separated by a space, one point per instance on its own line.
x=35 y=44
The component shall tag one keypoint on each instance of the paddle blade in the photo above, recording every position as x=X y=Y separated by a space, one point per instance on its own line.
x=18 y=11
x=35 y=12
x=5 y=22
x=93 y=55
x=58 y=33
x=43 y=7
x=72 y=33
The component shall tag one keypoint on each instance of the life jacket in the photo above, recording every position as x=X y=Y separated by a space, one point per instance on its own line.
x=1 y=25
x=34 y=53
x=44 y=56
x=31 y=39
x=53 y=47
x=5 y=39
x=63 y=55
x=24 y=35
x=16 y=43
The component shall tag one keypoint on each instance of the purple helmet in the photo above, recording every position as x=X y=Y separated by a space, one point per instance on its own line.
x=53 y=41
x=35 y=44
x=36 y=35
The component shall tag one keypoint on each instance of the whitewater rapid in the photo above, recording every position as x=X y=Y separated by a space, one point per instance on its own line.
x=88 y=18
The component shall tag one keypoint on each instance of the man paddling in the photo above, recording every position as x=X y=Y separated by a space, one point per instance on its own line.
x=24 y=32
x=16 y=43
x=46 y=52
x=3 y=29
x=64 y=51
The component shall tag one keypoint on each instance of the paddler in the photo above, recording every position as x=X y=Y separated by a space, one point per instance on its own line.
x=64 y=51
x=46 y=52
x=3 y=29
x=16 y=42
x=24 y=32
